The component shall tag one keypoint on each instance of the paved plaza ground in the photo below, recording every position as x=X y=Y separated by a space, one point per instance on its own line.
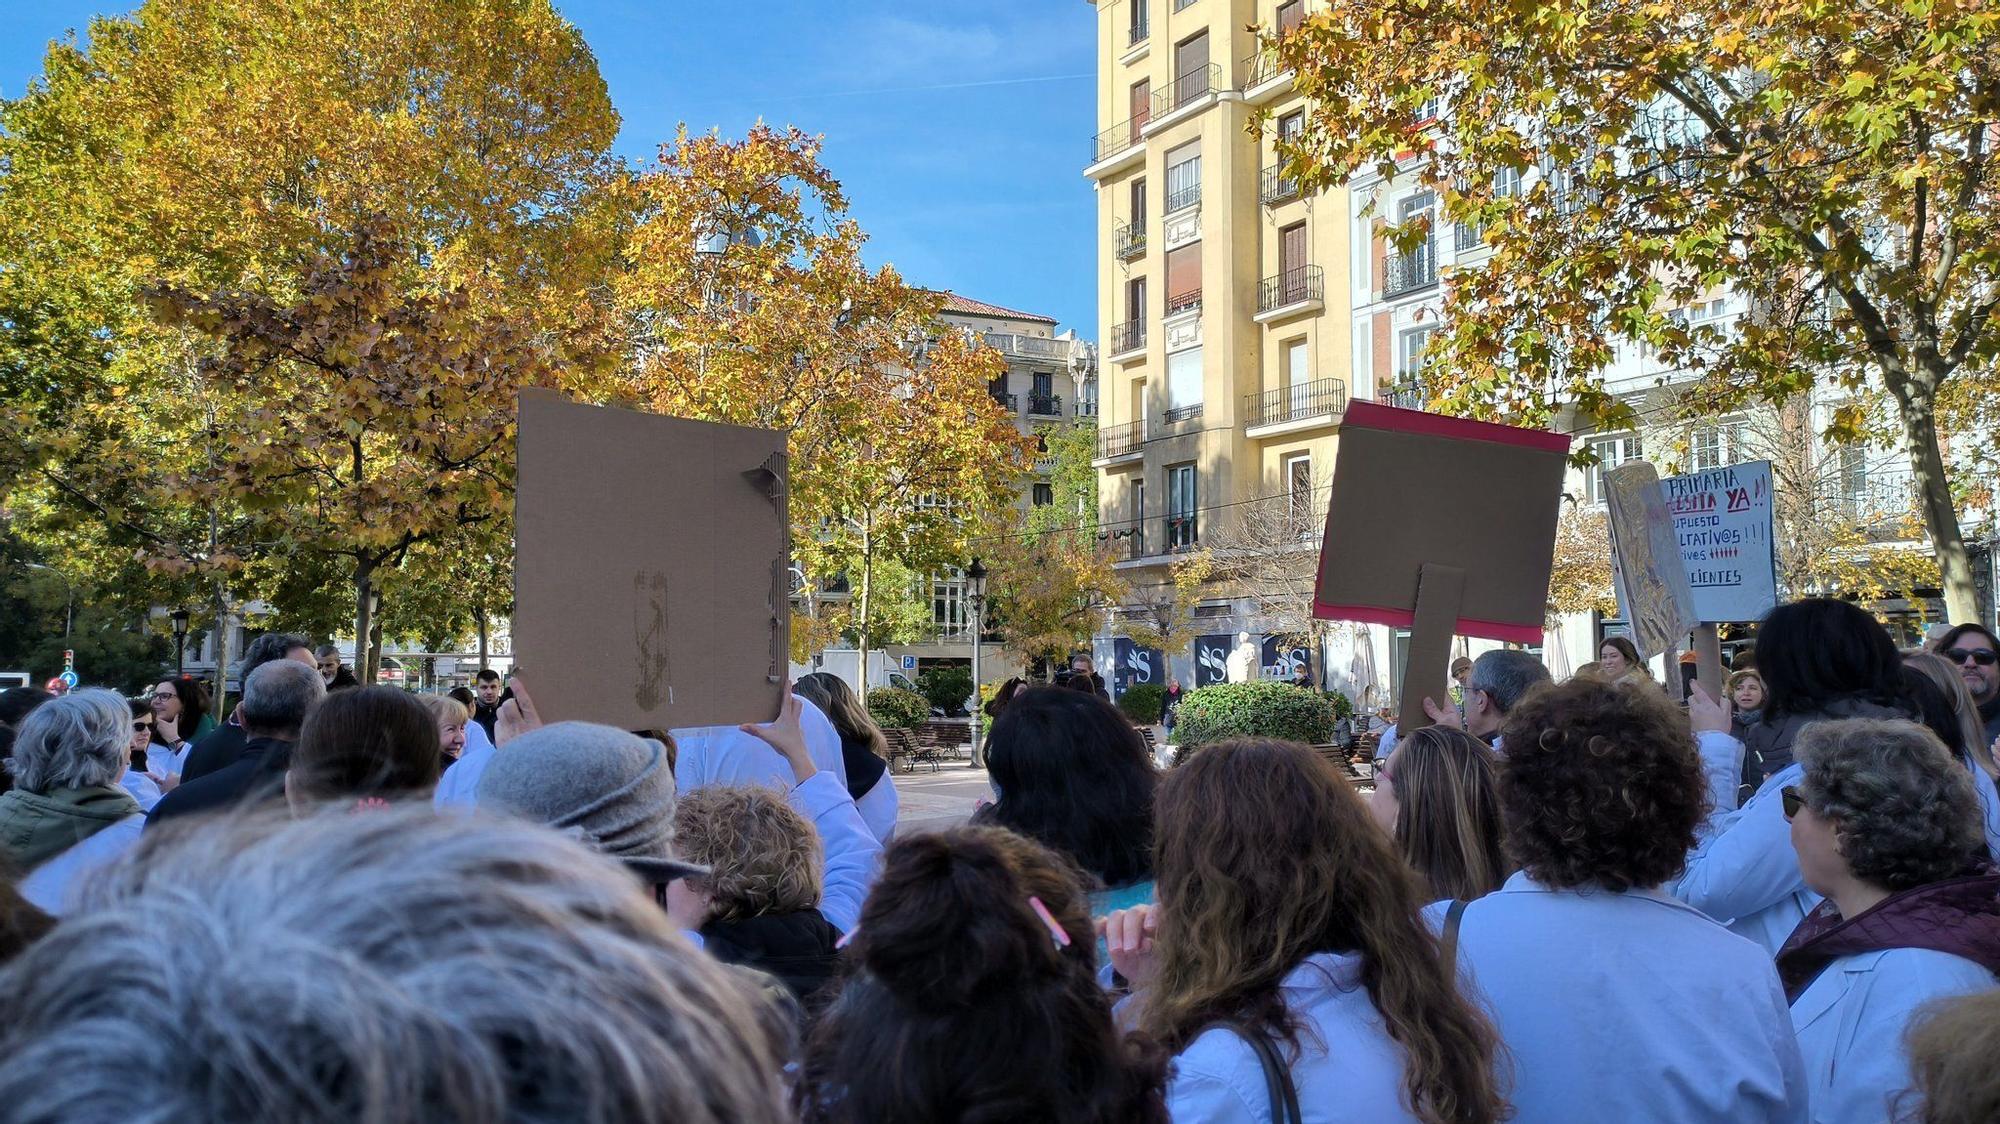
x=934 y=801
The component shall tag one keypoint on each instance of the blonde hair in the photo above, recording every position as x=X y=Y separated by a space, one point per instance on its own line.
x=444 y=709
x=763 y=857
x=1970 y=729
x=845 y=709
x=1951 y=1047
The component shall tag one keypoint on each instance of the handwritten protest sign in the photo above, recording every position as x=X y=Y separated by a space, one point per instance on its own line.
x=1722 y=519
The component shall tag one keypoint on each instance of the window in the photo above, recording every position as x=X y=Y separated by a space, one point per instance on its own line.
x=1291 y=125
x=1191 y=69
x=1183 y=177
x=1852 y=464
x=1135 y=299
x=1507 y=184
x=1296 y=367
x=1138 y=518
x=1291 y=14
x=1299 y=485
x=1044 y=384
x=1183 y=278
x=949 y=612
x=1410 y=346
x=1045 y=494
x=1611 y=452
x=1141 y=104
x=1141 y=24
x=1713 y=446
x=1183 y=530
x=1183 y=382
x=1138 y=204
x=1292 y=255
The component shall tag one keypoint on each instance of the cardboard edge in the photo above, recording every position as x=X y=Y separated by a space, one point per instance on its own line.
x=1530 y=635
x=1375 y=415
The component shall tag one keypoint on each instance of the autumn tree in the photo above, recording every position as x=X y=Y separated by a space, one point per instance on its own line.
x=1580 y=565
x=1050 y=594
x=1165 y=619
x=746 y=301
x=232 y=147
x=1832 y=162
x=374 y=416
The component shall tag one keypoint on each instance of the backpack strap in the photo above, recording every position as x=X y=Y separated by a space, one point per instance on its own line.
x=1277 y=1075
x=1448 y=943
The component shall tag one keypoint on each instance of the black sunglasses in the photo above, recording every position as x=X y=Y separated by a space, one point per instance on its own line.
x=1793 y=800
x=1982 y=656
x=142 y=725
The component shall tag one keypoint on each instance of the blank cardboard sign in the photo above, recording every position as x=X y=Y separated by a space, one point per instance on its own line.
x=1646 y=564
x=1412 y=490
x=651 y=567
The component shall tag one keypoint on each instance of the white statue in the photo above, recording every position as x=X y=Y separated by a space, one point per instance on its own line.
x=1243 y=661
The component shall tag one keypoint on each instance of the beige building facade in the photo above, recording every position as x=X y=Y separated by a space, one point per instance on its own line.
x=1223 y=291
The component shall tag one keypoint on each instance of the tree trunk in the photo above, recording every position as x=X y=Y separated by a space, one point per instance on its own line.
x=363 y=623
x=221 y=710
x=867 y=590
x=480 y=616
x=1920 y=442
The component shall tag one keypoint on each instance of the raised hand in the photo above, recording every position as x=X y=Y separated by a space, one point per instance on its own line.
x=1706 y=713
x=786 y=735
x=517 y=715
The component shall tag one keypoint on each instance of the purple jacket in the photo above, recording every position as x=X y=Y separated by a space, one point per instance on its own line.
x=1960 y=916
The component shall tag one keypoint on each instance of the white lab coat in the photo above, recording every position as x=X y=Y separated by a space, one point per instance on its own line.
x=1351 y=1070
x=1851 y=1020
x=1629 y=1007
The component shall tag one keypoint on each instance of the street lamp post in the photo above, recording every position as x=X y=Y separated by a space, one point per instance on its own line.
x=975 y=588
x=180 y=619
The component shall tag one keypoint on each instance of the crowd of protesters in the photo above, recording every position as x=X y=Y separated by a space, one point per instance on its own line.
x=1560 y=901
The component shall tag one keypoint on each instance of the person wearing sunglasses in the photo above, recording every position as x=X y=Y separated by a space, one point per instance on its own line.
x=1887 y=826
x=1974 y=650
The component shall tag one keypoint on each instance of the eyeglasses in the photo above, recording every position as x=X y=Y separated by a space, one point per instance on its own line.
x=1984 y=657
x=1793 y=800
x=166 y=696
x=138 y=726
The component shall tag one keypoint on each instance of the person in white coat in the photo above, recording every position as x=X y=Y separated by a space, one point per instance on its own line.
x=1311 y=952
x=1614 y=1001
x=1887 y=828
x=1821 y=660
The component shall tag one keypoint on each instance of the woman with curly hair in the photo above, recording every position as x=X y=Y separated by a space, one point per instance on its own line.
x=1887 y=827
x=1613 y=998
x=973 y=996
x=1289 y=932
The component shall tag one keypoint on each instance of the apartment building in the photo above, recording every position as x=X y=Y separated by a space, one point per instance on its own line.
x=1223 y=291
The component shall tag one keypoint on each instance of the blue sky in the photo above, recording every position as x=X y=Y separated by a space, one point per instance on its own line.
x=964 y=175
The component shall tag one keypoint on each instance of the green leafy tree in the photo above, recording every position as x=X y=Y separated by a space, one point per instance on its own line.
x=1832 y=162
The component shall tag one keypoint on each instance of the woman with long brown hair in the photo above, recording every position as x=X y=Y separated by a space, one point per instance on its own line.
x=1287 y=926
x=1436 y=796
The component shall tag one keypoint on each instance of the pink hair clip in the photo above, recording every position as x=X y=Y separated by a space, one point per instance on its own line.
x=846 y=939
x=369 y=804
x=1056 y=931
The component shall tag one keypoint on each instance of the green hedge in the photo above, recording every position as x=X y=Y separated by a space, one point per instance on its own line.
x=894 y=708
x=947 y=686
x=1265 y=709
x=1343 y=707
x=1141 y=702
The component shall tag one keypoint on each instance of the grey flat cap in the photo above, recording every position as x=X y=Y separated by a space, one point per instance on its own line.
x=610 y=788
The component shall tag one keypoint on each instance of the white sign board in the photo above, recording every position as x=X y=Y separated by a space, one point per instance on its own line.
x=1722 y=518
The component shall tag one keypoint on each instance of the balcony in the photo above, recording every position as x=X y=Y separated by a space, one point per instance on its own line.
x=1115 y=147
x=1142 y=26
x=1085 y=407
x=1407 y=393
x=1467 y=237
x=1276 y=187
x=1031 y=347
x=1180 y=199
x=1008 y=402
x=1129 y=337
x=1407 y=273
x=1045 y=463
x=1183 y=533
x=1186 y=89
x=1293 y=405
x=1183 y=302
x=1118 y=441
x=1180 y=414
x=1045 y=405
x=1129 y=240
x=1291 y=292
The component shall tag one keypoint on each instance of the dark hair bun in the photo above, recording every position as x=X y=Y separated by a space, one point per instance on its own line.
x=949 y=922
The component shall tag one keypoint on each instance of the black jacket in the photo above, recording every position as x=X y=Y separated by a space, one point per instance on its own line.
x=797 y=948
x=256 y=776
x=1767 y=746
x=222 y=746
